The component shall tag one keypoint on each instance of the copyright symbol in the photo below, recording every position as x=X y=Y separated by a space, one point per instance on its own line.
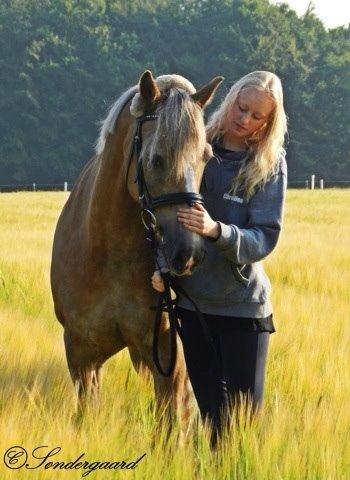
x=15 y=457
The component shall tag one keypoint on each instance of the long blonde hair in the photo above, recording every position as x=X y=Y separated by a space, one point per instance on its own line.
x=263 y=152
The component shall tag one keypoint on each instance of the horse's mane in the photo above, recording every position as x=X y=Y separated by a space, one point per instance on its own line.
x=108 y=124
x=180 y=122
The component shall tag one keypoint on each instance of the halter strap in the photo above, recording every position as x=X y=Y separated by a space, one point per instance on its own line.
x=147 y=201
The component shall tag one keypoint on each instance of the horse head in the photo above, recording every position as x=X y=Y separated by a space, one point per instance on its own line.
x=172 y=155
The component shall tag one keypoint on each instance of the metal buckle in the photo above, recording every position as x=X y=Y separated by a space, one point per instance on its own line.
x=153 y=221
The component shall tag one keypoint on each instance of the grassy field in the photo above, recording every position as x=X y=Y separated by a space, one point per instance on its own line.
x=304 y=432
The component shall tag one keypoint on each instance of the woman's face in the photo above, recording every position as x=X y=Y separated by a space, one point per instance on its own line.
x=250 y=112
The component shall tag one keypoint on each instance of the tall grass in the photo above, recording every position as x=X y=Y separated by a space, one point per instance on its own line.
x=304 y=429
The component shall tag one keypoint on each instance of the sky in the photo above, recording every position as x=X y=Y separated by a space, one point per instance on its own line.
x=333 y=13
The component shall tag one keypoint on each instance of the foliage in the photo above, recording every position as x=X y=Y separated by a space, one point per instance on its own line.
x=63 y=62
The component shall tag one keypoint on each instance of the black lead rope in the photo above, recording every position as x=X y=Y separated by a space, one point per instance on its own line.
x=165 y=303
x=168 y=305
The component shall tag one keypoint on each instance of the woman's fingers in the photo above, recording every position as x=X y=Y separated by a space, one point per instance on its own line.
x=157 y=281
x=197 y=212
x=196 y=219
x=191 y=216
x=193 y=223
x=195 y=216
x=200 y=207
x=191 y=219
x=187 y=210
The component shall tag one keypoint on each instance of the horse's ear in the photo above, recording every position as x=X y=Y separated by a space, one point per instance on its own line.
x=149 y=90
x=205 y=94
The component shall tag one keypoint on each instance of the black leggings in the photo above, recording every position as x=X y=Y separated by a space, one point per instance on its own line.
x=217 y=382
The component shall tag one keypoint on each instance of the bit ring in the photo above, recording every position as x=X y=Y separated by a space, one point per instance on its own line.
x=153 y=221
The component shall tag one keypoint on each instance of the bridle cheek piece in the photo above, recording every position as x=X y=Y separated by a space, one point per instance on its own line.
x=149 y=203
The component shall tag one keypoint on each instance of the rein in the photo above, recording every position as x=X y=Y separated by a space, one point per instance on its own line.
x=148 y=205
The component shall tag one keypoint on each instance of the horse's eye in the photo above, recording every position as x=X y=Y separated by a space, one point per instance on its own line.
x=157 y=161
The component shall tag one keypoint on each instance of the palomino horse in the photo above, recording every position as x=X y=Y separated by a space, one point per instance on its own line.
x=101 y=262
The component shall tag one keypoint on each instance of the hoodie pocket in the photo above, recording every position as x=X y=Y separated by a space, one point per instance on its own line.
x=259 y=286
x=239 y=275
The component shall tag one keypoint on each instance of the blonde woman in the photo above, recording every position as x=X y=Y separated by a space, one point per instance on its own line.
x=244 y=187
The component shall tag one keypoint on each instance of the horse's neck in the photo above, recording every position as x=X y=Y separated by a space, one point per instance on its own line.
x=109 y=185
x=111 y=208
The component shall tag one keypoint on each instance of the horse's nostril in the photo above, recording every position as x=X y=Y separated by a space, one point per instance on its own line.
x=187 y=260
x=190 y=264
x=181 y=258
x=197 y=259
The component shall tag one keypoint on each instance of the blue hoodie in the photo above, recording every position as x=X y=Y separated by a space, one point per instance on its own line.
x=231 y=279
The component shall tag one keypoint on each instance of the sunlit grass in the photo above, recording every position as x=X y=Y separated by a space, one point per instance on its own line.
x=304 y=429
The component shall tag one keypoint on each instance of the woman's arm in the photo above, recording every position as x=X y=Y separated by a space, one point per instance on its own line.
x=265 y=217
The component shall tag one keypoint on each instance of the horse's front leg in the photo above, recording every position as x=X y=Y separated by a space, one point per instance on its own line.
x=173 y=394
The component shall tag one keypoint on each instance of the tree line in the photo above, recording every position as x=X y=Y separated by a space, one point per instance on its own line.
x=63 y=62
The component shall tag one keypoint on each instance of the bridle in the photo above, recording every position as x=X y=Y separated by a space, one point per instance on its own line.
x=148 y=205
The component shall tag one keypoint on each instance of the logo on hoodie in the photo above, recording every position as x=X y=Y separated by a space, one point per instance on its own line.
x=233 y=198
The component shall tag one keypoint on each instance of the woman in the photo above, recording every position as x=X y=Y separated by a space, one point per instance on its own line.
x=244 y=187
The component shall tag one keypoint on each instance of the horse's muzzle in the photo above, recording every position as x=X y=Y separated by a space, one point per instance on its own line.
x=186 y=260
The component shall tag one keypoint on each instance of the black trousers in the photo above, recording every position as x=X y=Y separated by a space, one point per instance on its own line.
x=221 y=382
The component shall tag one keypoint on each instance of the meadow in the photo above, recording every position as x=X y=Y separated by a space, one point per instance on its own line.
x=304 y=431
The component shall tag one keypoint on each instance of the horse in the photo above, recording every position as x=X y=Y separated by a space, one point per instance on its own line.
x=101 y=262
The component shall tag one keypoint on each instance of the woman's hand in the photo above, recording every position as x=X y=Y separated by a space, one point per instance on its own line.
x=198 y=220
x=157 y=282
